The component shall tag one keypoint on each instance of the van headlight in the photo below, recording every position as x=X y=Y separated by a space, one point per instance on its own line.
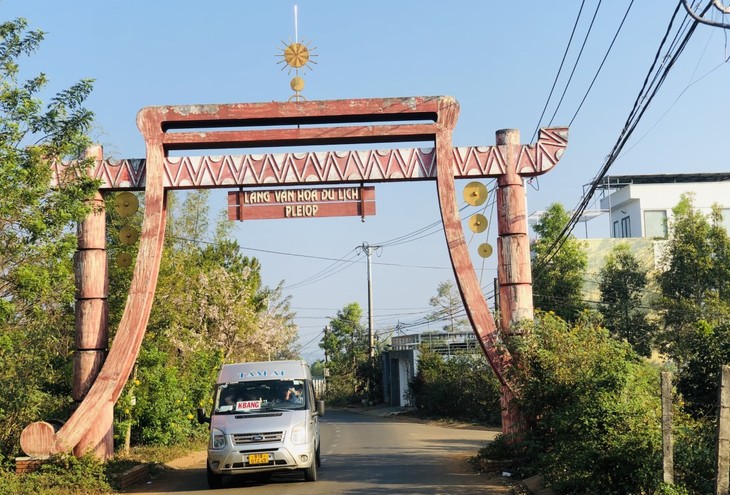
x=217 y=439
x=299 y=434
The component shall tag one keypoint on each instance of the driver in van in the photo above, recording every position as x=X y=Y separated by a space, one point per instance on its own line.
x=292 y=393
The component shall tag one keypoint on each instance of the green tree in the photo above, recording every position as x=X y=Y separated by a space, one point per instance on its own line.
x=37 y=239
x=622 y=283
x=346 y=346
x=210 y=308
x=695 y=303
x=557 y=277
x=449 y=307
x=592 y=409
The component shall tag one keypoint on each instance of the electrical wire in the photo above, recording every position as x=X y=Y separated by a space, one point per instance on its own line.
x=600 y=67
x=406 y=238
x=641 y=104
x=560 y=68
x=577 y=61
x=333 y=269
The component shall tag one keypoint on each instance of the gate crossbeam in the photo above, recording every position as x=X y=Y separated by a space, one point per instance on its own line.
x=324 y=167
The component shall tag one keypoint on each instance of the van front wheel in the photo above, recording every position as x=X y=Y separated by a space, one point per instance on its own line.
x=215 y=480
x=310 y=473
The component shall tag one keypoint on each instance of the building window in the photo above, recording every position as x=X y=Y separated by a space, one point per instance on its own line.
x=655 y=224
x=616 y=231
x=626 y=227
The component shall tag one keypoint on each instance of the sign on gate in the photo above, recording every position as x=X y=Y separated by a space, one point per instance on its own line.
x=258 y=204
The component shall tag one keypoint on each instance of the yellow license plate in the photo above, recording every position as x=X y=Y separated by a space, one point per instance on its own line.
x=258 y=458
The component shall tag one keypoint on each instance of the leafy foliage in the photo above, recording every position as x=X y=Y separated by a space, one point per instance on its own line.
x=64 y=474
x=694 y=452
x=462 y=387
x=557 y=280
x=37 y=240
x=210 y=309
x=592 y=409
x=695 y=304
x=352 y=375
x=622 y=283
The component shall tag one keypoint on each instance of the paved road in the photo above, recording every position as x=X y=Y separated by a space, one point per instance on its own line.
x=362 y=454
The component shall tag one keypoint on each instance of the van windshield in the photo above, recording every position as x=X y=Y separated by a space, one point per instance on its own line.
x=260 y=395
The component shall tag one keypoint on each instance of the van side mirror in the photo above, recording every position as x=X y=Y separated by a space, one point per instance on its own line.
x=202 y=418
x=320 y=407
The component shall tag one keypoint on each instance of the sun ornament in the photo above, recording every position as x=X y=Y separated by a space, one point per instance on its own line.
x=295 y=56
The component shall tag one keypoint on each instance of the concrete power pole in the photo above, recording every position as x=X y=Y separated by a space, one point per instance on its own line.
x=368 y=250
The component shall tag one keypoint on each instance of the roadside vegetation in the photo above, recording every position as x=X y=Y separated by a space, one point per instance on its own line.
x=460 y=388
x=353 y=377
x=589 y=394
x=210 y=306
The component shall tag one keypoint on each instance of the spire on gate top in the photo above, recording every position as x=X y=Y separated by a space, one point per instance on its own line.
x=297 y=55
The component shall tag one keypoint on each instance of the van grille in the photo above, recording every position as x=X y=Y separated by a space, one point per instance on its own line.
x=267 y=437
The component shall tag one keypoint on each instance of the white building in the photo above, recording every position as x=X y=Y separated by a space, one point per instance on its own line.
x=641 y=205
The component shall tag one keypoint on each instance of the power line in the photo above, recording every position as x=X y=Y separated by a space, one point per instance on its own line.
x=560 y=68
x=641 y=104
x=577 y=60
x=326 y=272
x=600 y=67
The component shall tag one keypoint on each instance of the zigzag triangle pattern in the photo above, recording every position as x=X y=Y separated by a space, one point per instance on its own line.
x=327 y=167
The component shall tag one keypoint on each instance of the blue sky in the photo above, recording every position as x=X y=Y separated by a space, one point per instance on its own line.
x=498 y=59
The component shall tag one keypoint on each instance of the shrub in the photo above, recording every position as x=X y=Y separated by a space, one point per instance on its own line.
x=64 y=474
x=592 y=407
x=694 y=453
x=665 y=489
x=341 y=390
x=462 y=387
x=167 y=393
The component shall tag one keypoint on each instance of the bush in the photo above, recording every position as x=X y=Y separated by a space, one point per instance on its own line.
x=499 y=449
x=592 y=407
x=340 y=390
x=462 y=387
x=665 y=489
x=64 y=474
x=694 y=453
x=167 y=393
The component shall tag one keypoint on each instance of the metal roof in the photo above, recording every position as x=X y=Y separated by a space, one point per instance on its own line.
x=619 y=181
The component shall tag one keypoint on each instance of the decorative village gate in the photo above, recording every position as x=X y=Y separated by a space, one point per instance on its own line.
x=98 y=383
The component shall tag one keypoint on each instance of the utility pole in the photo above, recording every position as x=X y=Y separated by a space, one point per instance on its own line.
x=368 y=250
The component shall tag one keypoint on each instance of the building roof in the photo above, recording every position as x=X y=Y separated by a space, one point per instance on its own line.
x=619 y=181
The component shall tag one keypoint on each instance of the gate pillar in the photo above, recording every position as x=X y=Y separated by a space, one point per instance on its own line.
x=513 y=259
x=92 y=332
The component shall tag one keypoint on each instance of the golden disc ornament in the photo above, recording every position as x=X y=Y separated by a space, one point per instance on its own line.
x=128 y=235
x=296 y=55
x=297 y=84
x=478 y=223
x=124 y=260
x=485 y=250
x=126 y=204
x=475 y=193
